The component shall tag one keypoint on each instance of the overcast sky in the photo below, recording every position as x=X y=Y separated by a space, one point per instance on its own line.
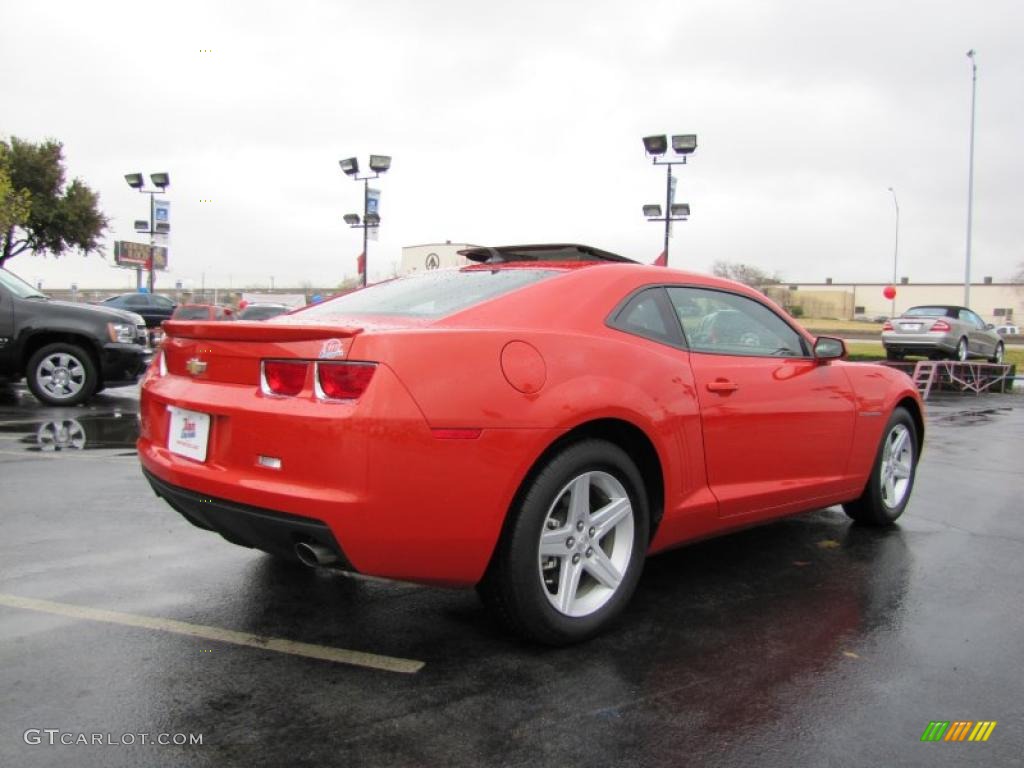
x=522 y=122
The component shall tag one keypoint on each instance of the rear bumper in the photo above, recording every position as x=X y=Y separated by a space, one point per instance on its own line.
x=400 y=502
x=919 y=343
x=248 y=526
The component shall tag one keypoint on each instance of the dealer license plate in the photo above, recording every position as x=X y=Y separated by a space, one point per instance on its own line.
x=910 y=326
x=189 y=433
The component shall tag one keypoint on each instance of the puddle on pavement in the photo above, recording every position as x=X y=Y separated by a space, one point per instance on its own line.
x=82 y=433
x=974 y=417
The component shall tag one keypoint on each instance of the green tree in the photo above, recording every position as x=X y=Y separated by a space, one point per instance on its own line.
x=59 y=216
x=14 y=204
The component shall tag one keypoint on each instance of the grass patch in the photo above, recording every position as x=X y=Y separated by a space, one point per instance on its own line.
x=825 y=324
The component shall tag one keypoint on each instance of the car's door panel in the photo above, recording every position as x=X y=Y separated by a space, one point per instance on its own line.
x=780 y=434
x=777 y=425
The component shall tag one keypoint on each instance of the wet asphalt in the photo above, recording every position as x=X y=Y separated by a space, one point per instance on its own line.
x=808 y=642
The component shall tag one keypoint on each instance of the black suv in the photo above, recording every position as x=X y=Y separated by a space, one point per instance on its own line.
x=67 y=352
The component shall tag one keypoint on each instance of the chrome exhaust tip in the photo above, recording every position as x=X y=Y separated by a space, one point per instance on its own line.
x=315 y=555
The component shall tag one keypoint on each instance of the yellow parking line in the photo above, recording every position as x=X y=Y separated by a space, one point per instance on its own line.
x=322 y=652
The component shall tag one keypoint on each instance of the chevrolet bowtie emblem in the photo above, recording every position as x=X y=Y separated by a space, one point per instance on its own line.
x=195 y=366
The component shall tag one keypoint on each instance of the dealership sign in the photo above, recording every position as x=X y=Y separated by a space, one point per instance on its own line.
x=137 y=255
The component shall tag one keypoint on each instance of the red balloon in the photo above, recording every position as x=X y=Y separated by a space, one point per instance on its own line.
x=243 y=304
x=889 y=292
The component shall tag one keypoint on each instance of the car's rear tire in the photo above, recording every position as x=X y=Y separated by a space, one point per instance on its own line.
x=961 y=353
x=893 y=355
x=997 y=358
x=573 y=549
x=892 y=475
x=62 y=374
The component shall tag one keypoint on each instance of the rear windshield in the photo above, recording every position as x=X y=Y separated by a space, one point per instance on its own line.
x=430 y=294
x=930 y=312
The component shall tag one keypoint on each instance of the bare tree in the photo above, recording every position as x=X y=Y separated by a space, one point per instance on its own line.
x=744 y=273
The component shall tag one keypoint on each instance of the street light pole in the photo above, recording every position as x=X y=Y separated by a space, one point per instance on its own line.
x=350 y=166
x=668 y=205
x=895 y=252
x=152 y=239
x=657 y=147
x=161 y=181
x=970 y=182
x=366 y=229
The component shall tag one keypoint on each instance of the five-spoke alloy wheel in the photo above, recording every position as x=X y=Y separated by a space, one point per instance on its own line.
x=892 y=477
x=586 y=544
x=573 y=548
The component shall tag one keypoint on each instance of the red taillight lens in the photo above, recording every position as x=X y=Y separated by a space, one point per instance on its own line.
x=284 y=378
x=941 y=325
x=887 y=326
x=344 y=381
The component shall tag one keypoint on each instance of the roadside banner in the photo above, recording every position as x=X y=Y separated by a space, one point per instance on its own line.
x=372 y=206
x=161 y=212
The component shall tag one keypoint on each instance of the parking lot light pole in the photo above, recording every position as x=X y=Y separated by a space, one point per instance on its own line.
x=161 y=181
x=371 y=219
x=895 y=252
x=970 y=182
x=656 y=148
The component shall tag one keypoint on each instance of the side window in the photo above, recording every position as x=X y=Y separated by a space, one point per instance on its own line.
x=138 y=301
x=966 y=316
x=163 y=302
x=647 y=314
x=728 y=324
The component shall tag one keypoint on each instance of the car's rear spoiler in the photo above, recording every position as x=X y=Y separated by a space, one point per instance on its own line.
x=241 y=330
x=542 y=252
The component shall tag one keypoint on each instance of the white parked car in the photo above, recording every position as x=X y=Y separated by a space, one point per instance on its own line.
x=1008 y=330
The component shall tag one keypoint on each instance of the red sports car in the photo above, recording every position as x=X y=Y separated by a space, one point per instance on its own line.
x=534 y=424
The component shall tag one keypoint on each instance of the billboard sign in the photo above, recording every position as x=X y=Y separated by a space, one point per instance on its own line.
x=137 y=255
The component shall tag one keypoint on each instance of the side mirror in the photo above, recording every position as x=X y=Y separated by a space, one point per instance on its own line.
x=989 y=326
x=827 y=348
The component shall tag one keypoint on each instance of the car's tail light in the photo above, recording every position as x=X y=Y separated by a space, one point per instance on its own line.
x=343 y=381
x=941 y=325
x=284 y=377
x=887 y=326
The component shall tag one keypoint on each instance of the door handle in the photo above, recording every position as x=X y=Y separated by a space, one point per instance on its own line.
x=722 y=385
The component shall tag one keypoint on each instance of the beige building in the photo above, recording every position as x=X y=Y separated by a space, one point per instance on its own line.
x=997 y=303
x=417 y=258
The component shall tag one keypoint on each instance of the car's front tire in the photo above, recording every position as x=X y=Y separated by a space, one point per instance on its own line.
x=573 y=550
x=62 y=374
x=892 y=475
x=997 y=358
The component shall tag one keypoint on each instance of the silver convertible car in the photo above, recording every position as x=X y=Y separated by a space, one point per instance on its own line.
x=939 y=331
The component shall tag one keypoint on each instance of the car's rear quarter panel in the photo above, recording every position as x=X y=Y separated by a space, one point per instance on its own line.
x=589 y=377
